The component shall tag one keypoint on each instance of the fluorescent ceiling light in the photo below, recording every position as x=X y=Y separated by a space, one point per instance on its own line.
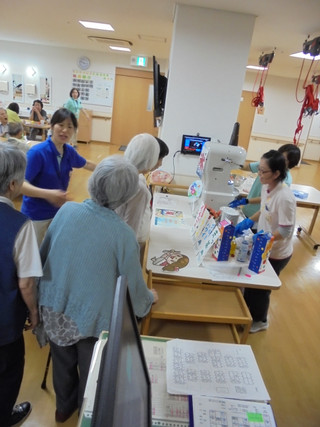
x=123 y=49
x=97 y=25
x=305 y=56
x=255 y=67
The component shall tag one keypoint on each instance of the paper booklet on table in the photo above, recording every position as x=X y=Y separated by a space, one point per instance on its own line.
x=212 y=411
x=168 y=217
x=167 y=409
x=214 y=369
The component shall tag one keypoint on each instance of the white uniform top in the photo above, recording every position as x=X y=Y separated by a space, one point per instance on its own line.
x=136 y=212
x=278 y=208
x=26 y=250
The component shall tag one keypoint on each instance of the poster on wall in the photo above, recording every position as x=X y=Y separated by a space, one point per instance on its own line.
x=17 y=87
x=45 y=89
x=95 y=87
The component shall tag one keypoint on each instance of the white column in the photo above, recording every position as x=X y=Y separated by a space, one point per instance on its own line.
x=206 y=73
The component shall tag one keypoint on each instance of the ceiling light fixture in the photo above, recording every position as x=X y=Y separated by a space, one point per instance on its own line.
x=97 y=25
x=123 y=49
x=302 y=55
x=255 y=67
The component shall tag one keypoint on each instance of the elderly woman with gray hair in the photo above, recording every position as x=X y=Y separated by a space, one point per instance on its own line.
x=143 y=152
x=86 y=248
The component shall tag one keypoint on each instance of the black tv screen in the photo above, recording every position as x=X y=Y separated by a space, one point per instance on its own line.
x=159 y=91
x=123 y=395
x=192 y=144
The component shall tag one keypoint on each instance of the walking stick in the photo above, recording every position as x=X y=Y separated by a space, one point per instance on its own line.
x=44 y=381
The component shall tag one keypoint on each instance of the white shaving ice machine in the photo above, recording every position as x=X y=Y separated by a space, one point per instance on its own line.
x=215 y=165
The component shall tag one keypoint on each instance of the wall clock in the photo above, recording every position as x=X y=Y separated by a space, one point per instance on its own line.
x=83 y=62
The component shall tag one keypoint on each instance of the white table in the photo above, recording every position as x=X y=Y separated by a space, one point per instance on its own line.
x=179 y=239
x=311 y=202
x=209 y=293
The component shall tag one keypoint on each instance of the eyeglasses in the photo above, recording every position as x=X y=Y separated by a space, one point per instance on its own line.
x=262 y=172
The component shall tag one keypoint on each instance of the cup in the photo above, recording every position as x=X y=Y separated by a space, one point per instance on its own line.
x=229 y=213
x=42 y=122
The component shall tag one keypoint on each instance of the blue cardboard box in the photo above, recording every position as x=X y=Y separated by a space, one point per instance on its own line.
x=221 y=248
x=260 y=252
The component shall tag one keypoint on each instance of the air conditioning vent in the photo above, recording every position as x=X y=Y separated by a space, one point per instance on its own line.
x=111 y=41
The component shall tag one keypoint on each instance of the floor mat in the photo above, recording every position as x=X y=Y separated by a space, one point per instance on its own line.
x=303 y=162
x=122 y=148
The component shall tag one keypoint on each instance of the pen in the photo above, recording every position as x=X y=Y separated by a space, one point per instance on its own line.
x=239 y=272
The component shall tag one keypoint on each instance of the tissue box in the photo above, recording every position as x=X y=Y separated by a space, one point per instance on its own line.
x=221 y=247
x=260 y=252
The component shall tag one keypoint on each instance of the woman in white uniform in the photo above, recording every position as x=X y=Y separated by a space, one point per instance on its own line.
x=277 y=215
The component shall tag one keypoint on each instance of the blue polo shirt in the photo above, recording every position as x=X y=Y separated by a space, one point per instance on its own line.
x=46 y=168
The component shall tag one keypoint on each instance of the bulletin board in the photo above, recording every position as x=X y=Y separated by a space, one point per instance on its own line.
x=95 y=87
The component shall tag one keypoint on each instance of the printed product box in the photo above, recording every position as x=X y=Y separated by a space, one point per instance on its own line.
x=260 y=252
x=221 y=247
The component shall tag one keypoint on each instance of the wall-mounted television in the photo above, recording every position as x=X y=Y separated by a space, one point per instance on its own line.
x=192 y=144
x=123 y=395
x=159 y=92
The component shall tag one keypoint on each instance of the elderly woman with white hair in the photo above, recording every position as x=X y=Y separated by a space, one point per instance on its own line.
x=143 y=152
x=86 y=248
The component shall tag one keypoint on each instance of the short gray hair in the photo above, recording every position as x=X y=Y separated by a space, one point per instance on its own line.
x=143 y=151
x=12 y=166
x=14 y=128
x=113 y=182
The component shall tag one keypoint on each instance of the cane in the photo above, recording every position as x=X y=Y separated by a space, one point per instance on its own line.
x=44 y=381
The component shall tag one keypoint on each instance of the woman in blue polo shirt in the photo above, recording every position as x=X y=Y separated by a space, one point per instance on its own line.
x=49 y=167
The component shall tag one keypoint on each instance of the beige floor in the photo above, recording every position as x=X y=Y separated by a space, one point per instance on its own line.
x=288 y=353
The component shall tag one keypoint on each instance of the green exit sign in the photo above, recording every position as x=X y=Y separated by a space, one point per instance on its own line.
x=139 y=61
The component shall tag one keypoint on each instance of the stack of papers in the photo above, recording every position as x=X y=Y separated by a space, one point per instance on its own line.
x=167 y=409
x=224 y=381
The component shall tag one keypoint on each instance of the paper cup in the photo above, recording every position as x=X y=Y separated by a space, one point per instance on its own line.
x=229 y=213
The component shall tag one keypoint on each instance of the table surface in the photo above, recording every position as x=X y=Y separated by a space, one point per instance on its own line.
x=312 y=199
x=178 y=238
x=32 y=124
x=313 y=194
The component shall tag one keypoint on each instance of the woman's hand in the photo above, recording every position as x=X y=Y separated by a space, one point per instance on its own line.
x=57 y=197
x=243 y=225
x=33 y=321
x=155 y=296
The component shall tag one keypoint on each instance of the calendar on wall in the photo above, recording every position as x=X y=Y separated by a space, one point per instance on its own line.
x=95 y=87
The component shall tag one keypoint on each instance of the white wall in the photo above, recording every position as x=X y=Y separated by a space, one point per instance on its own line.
x=57 y=63
x=206 y=73
x=281 y=107
x=279 y=121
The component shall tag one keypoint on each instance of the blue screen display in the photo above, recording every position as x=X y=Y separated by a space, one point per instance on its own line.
x=193 y=144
